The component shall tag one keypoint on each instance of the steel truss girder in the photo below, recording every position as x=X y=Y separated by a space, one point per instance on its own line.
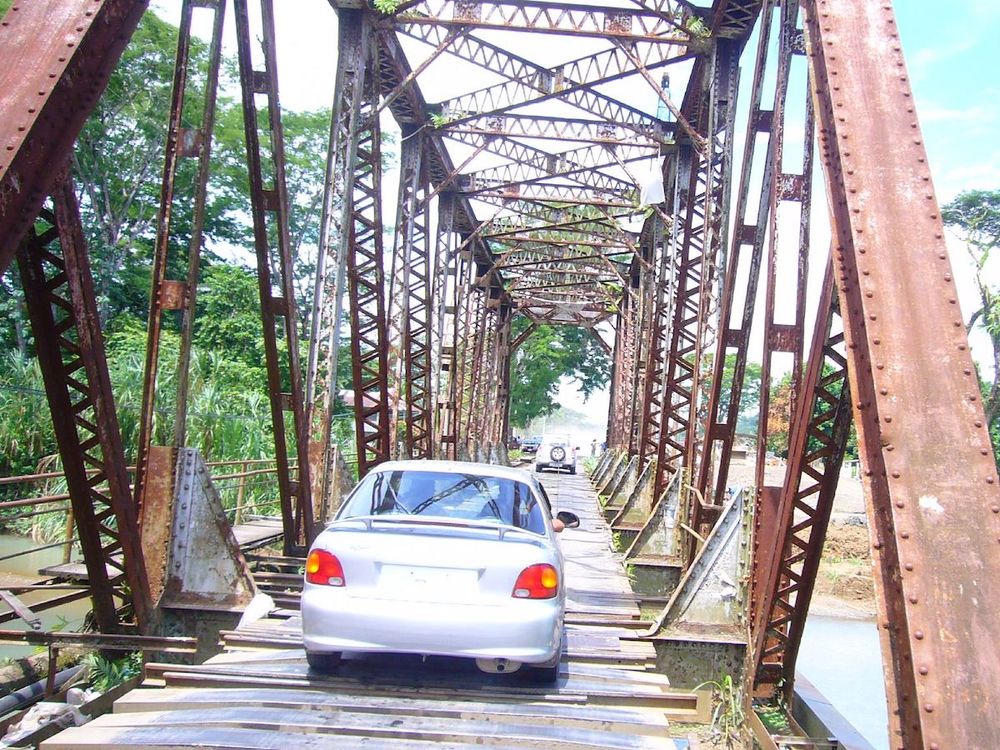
x=567 y=19
x=444 y=293
x=702 y=202
x=269 y=207
x=790 y=532
x=563 y=195
x=560 y=81
x=183 y=141
x=520 y=173
x=61 y=304
x=608 y=134
x=747 y=246
x=365 y=268
x=568 y=163
x=513 y=67
x=56 y=57
x=929 y=476
x=412 y=238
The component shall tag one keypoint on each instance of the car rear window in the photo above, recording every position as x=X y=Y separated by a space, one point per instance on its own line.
x=445 y=494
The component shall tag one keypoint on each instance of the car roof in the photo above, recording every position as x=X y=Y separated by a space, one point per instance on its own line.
x=458 y=467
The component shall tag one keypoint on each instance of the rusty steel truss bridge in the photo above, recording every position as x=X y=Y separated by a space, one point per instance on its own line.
x=528 y=131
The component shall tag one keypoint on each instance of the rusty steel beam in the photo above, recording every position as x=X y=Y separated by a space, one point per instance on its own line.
x=269 y=207
x=56 y=57
x=366 y=287
x=561 y=81
x=747 y=247
x=929 y=476
x=789 y=537
x=169 y=295
x=354 y=40
x=444 y=299
x=59 y=292
x=412 y=238
x=565 y=129
x=566 y=19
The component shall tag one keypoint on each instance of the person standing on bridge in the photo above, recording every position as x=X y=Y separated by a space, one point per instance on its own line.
x=593 y=447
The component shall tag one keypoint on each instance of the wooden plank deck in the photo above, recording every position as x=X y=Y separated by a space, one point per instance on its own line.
x=259 y=693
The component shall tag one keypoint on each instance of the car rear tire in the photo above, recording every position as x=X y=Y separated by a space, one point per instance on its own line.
x=323 y=661
x=544 y=675
x=538 y=469
x=572 y=470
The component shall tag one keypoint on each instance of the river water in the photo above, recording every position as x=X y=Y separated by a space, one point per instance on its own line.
x=25 y=567
x=843 y=659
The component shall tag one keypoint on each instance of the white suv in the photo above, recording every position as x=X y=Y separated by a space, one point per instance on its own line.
x=556 y=453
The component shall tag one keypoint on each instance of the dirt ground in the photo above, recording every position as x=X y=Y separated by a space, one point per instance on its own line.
x=845 y=586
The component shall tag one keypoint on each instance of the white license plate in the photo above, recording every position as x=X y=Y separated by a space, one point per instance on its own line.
x=416 y=578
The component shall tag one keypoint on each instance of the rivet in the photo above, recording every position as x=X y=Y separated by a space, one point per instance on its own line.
x=995 y=508
x=923 y=669
x=947 y=277
x=876 y=341
x=918 y=634
x=913 y=599
x=887 y=419
x=895 y=475
x=928 y=708
x=883 y=391
x=877 y=545
x=869 y=295
x=977 y=423
x=879 y=366
x=989 y=480
x=905 y=534
x=908 y=566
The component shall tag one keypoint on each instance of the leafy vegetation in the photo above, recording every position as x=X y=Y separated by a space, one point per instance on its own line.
x=975 y=216
x=108 y=673
x=546 y=356
x=728 y=717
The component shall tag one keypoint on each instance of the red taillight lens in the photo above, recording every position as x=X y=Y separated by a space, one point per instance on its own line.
x=324 y=568
x=537 y=582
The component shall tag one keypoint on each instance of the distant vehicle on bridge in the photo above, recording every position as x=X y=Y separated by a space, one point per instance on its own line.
x=440 y=558
x=556 y=452
x=530 y=444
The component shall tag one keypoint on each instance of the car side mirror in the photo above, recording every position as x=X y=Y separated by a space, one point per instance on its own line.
x=570 y=520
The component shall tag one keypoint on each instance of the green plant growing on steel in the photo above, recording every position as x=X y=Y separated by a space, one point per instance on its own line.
x=386 y=7
x=728 y=717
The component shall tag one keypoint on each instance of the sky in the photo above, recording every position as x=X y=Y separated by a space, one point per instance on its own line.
x=952 y=57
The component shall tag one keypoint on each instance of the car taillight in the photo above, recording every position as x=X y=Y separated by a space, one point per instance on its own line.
x=324 y=568
x=537 y=582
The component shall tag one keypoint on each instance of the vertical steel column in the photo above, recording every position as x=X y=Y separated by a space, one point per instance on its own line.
x=652 y=413
x=617 y=374
x=714 y=178
x=929 y=476
x=445 y=319
x=322 y=375
x=644 y=333
x=366 y=287
x=735 y=324
x=789 y=542
x=60 y=296
x=183 y=141
x=461 y=344
x=679 y=372
x=277 y=295
x=505 y=350
x=787 y=188
x=412 y=245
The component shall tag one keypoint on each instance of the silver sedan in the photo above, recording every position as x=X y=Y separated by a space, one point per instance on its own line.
x=440 y=558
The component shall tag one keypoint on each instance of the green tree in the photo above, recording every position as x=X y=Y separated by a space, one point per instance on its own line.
x=975 y=215
x=547 y=355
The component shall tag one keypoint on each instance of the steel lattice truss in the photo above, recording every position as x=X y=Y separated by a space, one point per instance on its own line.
x=574 y=164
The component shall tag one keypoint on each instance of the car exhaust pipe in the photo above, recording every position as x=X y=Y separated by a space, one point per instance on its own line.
x=498 y=666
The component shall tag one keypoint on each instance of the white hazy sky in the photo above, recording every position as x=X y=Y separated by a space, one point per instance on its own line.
x=953 y=66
